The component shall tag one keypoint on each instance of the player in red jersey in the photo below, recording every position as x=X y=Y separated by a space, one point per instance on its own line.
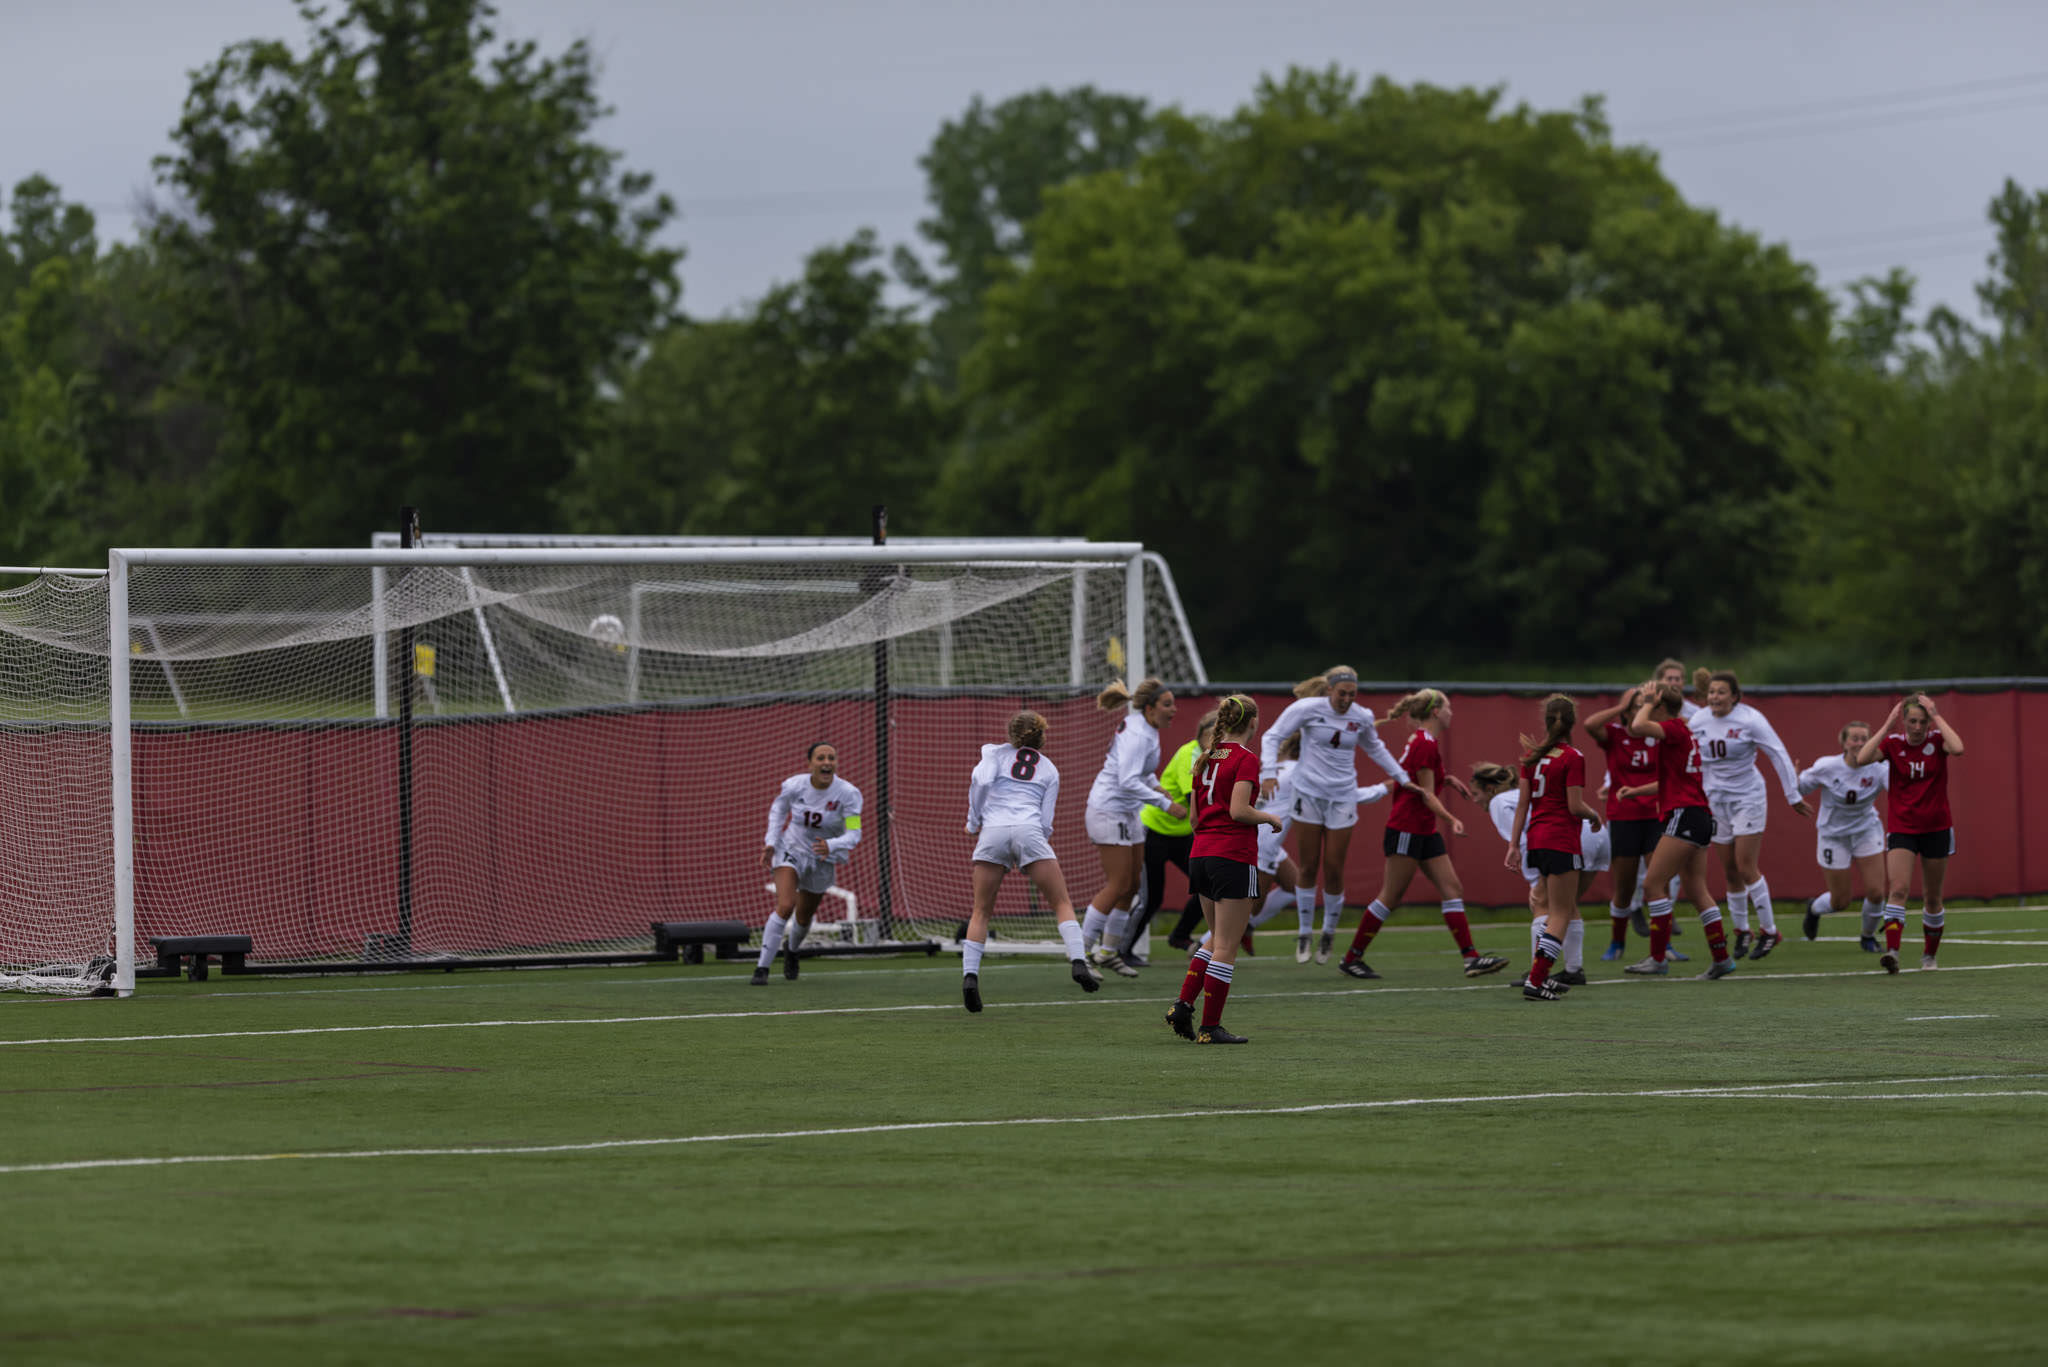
x=1223 y=865
x=1918 y=741
x=1688 y=829
x=1631 y=807
x=1412 y=843
x=1548 y=809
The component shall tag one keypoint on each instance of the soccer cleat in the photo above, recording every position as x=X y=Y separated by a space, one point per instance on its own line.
x=1677 y=956
x=1102 y=956
x=1810 y=925
x=790 y=964
x=1614 y=951
x=1246 y=943
x=1570 y=977
x=1889 y=961
x=1323 y=947
x=1649 y=968
x=1868 y=944
x=1766 y=941
x=1719 y=969
x=970 y=990
x=1540 y=992
x=1356 y=968
x=760 y=978
x=1090 y=980
x=1181 y=1016
x=1479 y=965
x=1301 y=949
x=1927 y=961
x=1639 y=922
x=1740 y=949
x=1216 y=1034
x=1134 y=958
x=1179 y=942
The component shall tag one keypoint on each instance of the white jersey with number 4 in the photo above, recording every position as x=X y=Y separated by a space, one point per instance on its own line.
x=1848 y=804
x=1330 y=741
x=1012 y=786
x=1728 y=750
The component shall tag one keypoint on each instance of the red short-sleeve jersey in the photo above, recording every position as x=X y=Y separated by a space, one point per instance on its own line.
x=1217 y=833
x=1408 y=812
x=1919 y=798
x=1551 y=823
x=1631 y=763
x=1678 y=770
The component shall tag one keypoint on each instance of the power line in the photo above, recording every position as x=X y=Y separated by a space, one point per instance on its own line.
x=1843 y=105
x=1854 y=125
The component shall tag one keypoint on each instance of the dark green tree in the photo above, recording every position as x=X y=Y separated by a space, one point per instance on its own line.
x=403 y=270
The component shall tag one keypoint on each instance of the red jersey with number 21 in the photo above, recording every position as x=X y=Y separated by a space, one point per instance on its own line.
x=1678 y=770
x=1217 y=834
x=1551 y=823
x=1631 y=763
x=1919 y=798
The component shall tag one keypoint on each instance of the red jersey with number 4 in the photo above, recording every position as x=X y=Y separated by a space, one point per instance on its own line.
x=1551 y=823
x=1422 y=755
x=1631 y=763
x=1678 y=770
x=1919 y=800
x=1217 y=835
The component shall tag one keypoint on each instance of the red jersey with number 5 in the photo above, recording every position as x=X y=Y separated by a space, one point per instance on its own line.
x=1631 y=763
x=1408 y=813
x=1217 y=834
x=1919 y=800
x=1678 y=770
x=1551 y=823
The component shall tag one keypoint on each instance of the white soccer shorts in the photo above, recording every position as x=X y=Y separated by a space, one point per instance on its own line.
x=1843 y=854
x=1733 y=816
x=1597 y=848
x=1332 y=814
x=1013 y=847
x=1272 y=849
x=812 y=873
x=1113 y=828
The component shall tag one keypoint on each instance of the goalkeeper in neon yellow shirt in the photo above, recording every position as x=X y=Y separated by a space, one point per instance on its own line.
x=1167 y=841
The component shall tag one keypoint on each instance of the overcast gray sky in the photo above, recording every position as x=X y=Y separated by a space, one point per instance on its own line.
x=1864 y=134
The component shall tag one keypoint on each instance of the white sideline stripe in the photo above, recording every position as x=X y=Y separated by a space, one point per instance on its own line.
x=1875 y=1096
x=1110 y=999
x=907 y=1127
x=1986 y=1017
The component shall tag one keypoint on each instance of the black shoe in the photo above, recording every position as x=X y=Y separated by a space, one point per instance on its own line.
x=1540 y=992
x=789 y=964
x=1639 y=921
x=1181 y=1016
x=760 y=978
x=1889 y=960
x=1811 y=923
x=1090 y=980
x=1178 y=942
x=1555 y=982
x=1479 y=965
x=1740 y=949
x=1868 y=944
x=1766 y=941
x=970 y=990
x=1216 y=1034
x=1356 y=968
x=1134 y=958
x=1570 y=977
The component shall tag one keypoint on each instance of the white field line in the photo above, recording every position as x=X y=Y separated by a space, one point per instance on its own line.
x=1986 y=1017
x=1746 y=1092
x=1098 y=1000
x=1874 y=1096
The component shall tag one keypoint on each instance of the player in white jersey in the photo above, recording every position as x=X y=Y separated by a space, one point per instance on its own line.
x=1495 y=785
x=1850 y=832
x=813 y=827
x=1333 y=728
x=1730 y=734
x=1010 y=800
x=1127 y=781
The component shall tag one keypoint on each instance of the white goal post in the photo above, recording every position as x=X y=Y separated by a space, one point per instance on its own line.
x=495 y=753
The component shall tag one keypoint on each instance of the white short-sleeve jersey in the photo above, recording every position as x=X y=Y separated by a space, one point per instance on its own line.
x=802 y=813
x=1501 y=807
x=1129 y=777
x=1330 y=741
x=1848 y=803
x=1283 y=795
x=1012 y=786
x=1728 y=752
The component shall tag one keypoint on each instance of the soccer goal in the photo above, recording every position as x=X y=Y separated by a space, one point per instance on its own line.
x=510 y=753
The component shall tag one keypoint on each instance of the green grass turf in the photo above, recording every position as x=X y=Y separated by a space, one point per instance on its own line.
x=1769 y=1227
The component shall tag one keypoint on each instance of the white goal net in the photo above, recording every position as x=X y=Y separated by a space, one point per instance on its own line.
x=369 y=758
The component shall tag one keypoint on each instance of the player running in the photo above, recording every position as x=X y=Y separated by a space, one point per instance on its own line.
x=1224 y=866
x=1333 y=727
x=1918 y=741
x=1126 y=782
x=1688 y=829
x=1631 y=808
x=813 y=827
x=1849 y=831
x=1730 y=733
x=1010 y=800
x=1549 y=807
x=1412 y=843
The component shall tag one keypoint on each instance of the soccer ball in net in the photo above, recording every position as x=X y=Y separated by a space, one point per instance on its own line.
x=608 y=630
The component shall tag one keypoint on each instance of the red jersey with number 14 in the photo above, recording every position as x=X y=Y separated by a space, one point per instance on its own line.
x=1631 y=763
x=1551 y=825
x=1408 y=812
x=1217 y=834
x=1919 y=800
x=1678 y=770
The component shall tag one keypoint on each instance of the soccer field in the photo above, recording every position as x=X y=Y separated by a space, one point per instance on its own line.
x=1808 y=1162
